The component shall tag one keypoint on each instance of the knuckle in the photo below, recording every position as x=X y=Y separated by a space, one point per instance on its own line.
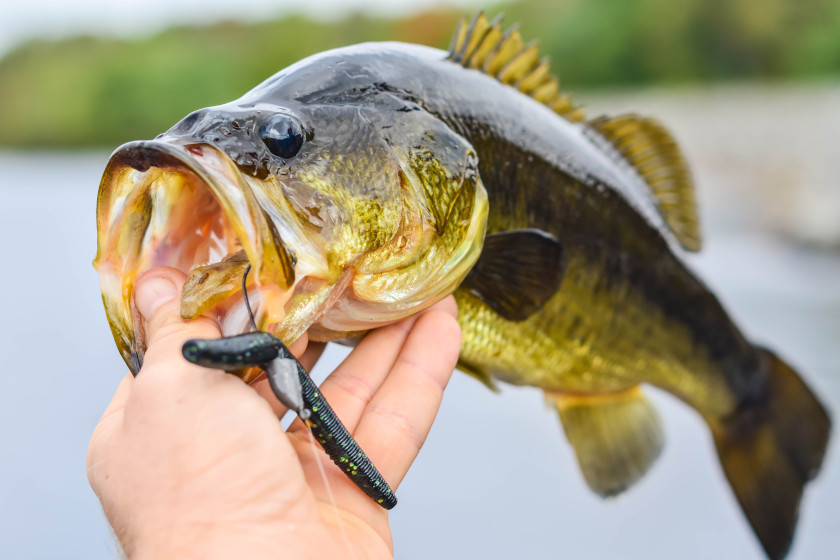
x=354 y=386
x=403 y=427
x=423 y=377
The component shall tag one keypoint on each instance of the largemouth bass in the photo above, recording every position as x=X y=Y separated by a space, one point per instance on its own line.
x=366 y=183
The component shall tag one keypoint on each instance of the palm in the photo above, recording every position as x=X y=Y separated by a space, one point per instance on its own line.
x=190 y=461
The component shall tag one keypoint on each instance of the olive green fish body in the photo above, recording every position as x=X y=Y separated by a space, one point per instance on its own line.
x=626 y=311
x=366 y=183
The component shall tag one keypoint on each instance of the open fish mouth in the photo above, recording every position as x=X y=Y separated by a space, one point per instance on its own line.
x=186 y=206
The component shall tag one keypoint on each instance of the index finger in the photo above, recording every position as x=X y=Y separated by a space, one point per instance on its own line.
x=395 y=424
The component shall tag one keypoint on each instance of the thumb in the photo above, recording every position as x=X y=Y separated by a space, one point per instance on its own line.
x=157 y=298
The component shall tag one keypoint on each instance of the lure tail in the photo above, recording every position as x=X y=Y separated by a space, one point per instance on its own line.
x=771 y=450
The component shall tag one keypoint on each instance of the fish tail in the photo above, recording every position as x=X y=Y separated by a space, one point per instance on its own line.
x=770 y=449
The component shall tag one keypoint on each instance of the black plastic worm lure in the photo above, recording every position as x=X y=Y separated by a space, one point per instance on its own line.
x=292 y=385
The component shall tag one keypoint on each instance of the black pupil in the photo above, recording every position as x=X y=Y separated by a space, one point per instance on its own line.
x=283 y=136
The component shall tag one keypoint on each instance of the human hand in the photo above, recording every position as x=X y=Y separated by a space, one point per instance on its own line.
x=191 y=462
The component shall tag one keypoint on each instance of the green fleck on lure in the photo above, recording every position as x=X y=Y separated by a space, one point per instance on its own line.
x=366 y=183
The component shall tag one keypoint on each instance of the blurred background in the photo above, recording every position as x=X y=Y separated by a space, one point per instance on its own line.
x=750 y=88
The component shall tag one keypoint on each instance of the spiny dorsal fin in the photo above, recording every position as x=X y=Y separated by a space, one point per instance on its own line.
x=481 y=45
x=655 y=155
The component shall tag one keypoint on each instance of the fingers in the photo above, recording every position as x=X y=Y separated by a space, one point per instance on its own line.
x=157 y=298
x=186 y=435
x=307 y=360
x=352 y=385
x=311 y=355
x=160 y=381
x=398 y=419
x=388 y=391
x=166 y=378
x=373 y=389
x=169 y=389
x=299 y=346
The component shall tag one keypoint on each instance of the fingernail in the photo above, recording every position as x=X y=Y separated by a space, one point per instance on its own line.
x=151 y=293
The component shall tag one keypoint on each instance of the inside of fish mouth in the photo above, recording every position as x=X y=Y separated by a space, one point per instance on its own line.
x=189 y=230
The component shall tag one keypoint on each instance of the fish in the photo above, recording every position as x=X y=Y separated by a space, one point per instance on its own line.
x=364 y=184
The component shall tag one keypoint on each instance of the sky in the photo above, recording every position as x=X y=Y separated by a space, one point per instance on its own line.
x=21 y=20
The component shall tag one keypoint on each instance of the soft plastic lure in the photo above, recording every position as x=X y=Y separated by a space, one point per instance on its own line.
x=292 y=385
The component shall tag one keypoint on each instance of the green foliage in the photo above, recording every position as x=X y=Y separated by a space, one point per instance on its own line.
x=102 y=92
x=603 y=43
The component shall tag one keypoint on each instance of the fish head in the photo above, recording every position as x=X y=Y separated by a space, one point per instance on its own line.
x=353 y=213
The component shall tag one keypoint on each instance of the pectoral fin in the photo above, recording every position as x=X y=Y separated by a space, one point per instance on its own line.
x=616 y=437
x=517 y=273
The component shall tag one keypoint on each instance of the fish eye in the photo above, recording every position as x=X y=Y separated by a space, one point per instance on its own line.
x=282 y=135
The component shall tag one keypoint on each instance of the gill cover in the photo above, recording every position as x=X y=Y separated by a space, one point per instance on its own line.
x=445 y=213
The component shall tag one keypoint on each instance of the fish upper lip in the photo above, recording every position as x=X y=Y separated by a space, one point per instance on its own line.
x=145 y=154
x=119 y=262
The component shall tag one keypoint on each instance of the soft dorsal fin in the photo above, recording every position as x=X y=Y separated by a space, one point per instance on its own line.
x=481 y=45
x=655 y=155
